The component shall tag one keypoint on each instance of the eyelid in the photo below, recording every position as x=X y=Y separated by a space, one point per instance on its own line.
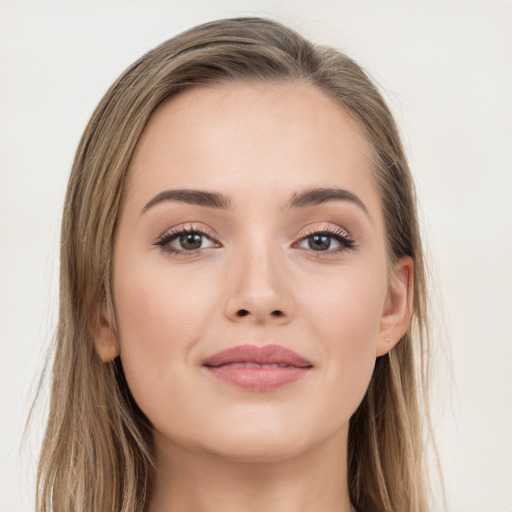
x=196 y=227
x=341 y=235
x=326 y=228
x=201 y=229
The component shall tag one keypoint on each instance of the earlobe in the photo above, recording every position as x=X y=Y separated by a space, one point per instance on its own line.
x=397 y=311
x=105 y=340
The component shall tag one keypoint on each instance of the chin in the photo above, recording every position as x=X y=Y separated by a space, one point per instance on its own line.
x=260 y=442
x=259 y=449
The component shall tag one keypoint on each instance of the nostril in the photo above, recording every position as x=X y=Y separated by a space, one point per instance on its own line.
x=244 y=312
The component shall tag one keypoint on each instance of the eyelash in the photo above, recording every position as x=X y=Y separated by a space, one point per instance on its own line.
x=172 y=235
x=339 y=235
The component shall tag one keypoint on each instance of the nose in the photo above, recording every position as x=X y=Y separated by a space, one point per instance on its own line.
x=260 y=287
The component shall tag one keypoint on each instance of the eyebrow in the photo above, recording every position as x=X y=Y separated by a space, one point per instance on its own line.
x=196 y=197
x=318 y=196
x=207 y=199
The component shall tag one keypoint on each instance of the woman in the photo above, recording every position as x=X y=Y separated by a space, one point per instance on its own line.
x=242 y=309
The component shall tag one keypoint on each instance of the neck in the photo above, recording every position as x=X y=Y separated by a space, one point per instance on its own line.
x=189 y=479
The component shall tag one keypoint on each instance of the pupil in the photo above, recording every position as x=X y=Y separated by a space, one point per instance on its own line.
x=319 y=242
x=190 y=241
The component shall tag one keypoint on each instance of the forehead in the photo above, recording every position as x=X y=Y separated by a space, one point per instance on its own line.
x=250 y=139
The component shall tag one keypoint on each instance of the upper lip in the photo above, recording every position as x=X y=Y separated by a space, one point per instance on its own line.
x=267 y=354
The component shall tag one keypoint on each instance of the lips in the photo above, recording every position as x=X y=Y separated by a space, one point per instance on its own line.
x=257 y=368
x=266 y=355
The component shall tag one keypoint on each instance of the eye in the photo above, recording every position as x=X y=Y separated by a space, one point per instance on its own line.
x=185 y=240
x=327 y=240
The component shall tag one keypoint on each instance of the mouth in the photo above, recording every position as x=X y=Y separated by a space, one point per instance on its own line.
x=257 y=368
x=254 y=365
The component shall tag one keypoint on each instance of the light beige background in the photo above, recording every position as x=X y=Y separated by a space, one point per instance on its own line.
x=446 y=67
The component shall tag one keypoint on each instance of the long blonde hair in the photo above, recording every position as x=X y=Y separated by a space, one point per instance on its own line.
x=97 y=454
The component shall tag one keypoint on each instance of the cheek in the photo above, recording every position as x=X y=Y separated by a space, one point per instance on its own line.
x=156 y=301
x=348 y=306
x=161 y=315
x=346 y=318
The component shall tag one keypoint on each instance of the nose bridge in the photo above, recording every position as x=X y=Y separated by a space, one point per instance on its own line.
x=258 y=278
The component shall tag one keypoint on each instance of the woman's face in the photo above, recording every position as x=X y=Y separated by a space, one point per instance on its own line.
x=249 y=217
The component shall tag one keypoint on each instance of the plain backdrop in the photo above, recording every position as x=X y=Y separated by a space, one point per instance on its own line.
x=446 y=69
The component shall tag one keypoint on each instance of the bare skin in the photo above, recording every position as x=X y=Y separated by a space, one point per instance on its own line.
x=270 y=265
x=309 y=482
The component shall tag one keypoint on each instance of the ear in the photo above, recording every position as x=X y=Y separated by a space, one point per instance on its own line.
x=105 y=340
x=397 y=312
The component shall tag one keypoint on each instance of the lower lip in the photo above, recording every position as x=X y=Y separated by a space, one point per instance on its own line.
x=258 y=379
